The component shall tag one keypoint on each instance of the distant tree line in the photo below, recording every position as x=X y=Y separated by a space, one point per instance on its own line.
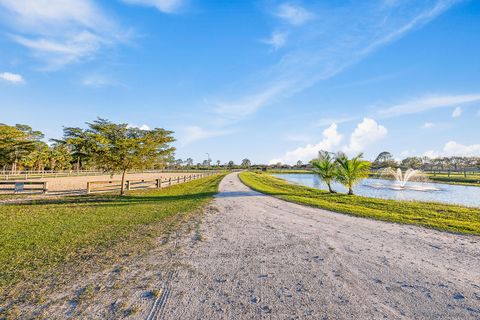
x=435 y=165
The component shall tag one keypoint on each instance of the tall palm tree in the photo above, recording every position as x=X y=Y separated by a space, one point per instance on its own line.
x=351 y=171
x=326 y=167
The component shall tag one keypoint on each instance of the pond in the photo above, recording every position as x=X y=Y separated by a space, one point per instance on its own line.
x=387 y=189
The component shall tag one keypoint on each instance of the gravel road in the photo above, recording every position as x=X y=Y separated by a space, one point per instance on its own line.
x=252 y=256
x=261 y=257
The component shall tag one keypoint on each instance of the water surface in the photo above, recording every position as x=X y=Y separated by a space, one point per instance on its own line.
x=384 y=189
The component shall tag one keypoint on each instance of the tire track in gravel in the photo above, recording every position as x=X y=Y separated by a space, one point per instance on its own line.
x=160 y=303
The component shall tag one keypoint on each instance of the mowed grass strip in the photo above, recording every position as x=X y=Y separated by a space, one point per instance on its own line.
x=37 y=237
x=433 y=215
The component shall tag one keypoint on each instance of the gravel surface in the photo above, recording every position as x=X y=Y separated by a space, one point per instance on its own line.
x=263 y=257
x=253 y=256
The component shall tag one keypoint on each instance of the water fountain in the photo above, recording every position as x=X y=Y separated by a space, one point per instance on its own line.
x=402 y=179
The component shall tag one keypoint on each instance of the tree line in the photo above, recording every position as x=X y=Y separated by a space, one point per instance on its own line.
x=435 y=165
x=103 y=145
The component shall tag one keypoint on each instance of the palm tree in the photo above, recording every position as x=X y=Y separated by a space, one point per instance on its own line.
x=326 y=167
x=351 y=171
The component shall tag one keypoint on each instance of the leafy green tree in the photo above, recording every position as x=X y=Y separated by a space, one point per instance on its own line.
x=189 y=162
x=230 y=164
x=412 y=162
x=36 y=159
x=351 y=171
x=384 y=160
x=119 y=148
x=76 y=140
x=16 y=142
x=60 y=157
x=246 y=163
x=326 y=167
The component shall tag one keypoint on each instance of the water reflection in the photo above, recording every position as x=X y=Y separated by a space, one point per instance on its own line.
x=388 y=189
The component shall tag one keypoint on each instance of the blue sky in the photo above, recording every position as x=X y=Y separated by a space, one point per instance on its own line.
x=272 y=81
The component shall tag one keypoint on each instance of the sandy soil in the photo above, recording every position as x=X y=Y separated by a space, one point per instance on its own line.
x=68 y=185
x=254 y=257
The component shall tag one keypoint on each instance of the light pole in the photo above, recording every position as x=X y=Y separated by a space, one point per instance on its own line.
x=208 y=159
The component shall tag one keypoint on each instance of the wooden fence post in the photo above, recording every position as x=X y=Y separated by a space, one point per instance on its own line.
x=128 y=184
x=169 y=181
x=159 y=183
x=45 y=188
x=88 y=188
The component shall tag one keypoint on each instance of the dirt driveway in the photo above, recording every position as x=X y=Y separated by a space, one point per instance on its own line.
x=265 y=257
x=254 y=256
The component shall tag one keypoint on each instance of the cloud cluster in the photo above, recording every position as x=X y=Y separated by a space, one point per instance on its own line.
x=429 y=103
x=366 y=133
x=166 y=6
x=457 y=112
x=293 y=14
x=331 y=139
x=12 y=77
x=453 y=148
x=277 y=39
x=142 y=127
x=59 y=32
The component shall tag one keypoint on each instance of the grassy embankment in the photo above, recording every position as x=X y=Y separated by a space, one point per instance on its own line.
x=433 y=215
x=44 y=238
x=460 y=179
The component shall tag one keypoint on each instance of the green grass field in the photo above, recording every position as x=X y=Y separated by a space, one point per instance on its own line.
x=433 y=215
x=461 y=179
x=39 y=237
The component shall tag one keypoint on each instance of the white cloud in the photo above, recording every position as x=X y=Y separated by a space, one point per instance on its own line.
x=427 y=125
x=12 y=77
x=428 y=103
x=453 y=148
x=277 y=39
x=293 y=14
x=457 y=112
x=142 y=127
x=366 y=133
x=331 y=139
x=59 y=32
x=195 y=133
x=432 y=154
x=166 y=6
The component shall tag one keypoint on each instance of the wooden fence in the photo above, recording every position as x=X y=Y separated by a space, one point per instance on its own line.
x=25 y=175
x=112 y=185
x=23 y=186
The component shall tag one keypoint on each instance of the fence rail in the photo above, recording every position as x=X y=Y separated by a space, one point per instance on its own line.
x=112 y=185
x=23 y=186
x=25 y=175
